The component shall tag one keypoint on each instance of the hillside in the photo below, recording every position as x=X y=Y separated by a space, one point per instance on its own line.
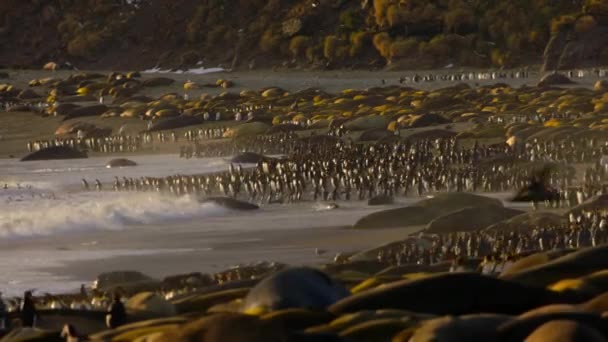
x=137 y=34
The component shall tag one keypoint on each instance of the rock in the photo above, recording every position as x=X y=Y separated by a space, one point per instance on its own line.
x=175 y=122
x=158 y=82
x=248 y=158
x=480 y=327
x=299 y=287
x=120 y=162
x=126 y=280
x=424 y=211
x=230 y=203
x=246 y=129
x=450 y=294
x=554 y=79
x=148 y=303
x=572 y=265
x=565 y=331
x=380 y=200
x=55 y=152
x=470 y=219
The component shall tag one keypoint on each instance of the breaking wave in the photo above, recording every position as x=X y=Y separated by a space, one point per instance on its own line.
x=42 y=214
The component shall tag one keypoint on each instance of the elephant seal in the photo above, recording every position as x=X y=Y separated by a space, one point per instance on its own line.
x=451 y=294
x=93 y=110
x=380 y=200
x=480 y=327
x=230 y=203
x=120 y=162
x=565 y=331
x=248 y=158
x=175 y=122
x=55 y=153
x=572 y=265
x=299 y=287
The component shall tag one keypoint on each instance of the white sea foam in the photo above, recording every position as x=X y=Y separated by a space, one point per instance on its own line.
x=27 y=215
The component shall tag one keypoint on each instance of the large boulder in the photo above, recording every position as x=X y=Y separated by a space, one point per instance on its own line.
x=246 y=129
x=425 y=211
x=55 y=152
x=300 y=287
x=450 y=294
x=470 y=219
x=230 y=203
x=572 y=265
x=150 y=304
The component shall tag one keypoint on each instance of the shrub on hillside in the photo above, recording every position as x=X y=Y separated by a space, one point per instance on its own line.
x=85 y=45
x=585 y=24
x=298 y=46
x=358 y=41
x=270 y=41
x=404 y=48
x=382 y=43
x=329 y=47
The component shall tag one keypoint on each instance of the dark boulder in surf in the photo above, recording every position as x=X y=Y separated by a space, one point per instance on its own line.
x=120 y=162
x=230 y=203
x=55 y=152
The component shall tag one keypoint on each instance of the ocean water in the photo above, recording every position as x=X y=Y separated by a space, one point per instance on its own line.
x=48 y=221
x=44 y=198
